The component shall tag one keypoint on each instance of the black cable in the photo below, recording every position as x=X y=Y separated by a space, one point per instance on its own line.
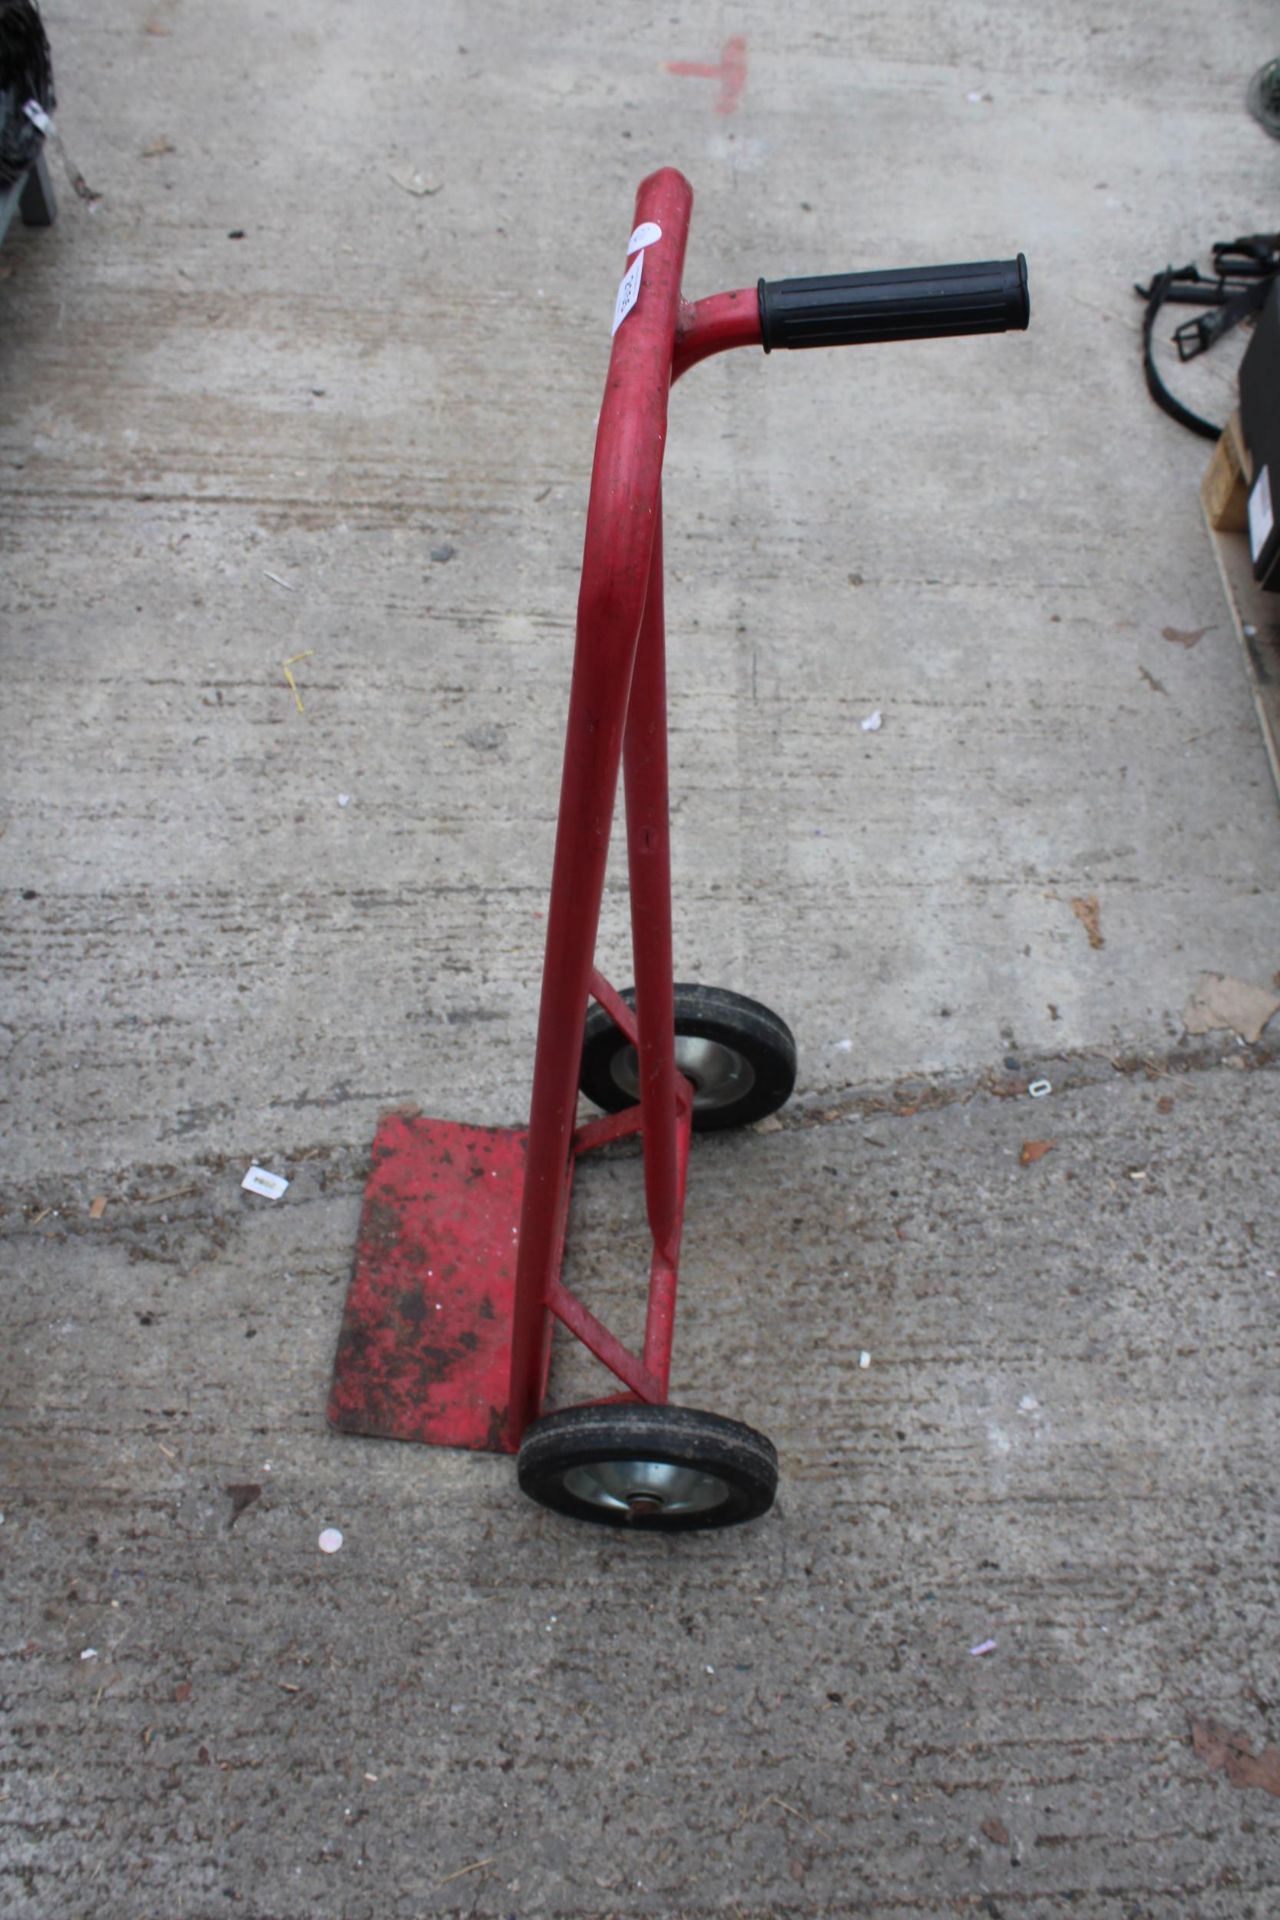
x=1244 y=271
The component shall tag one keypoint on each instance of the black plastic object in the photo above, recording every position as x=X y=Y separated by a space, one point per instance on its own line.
x=26 y=73
x=913 y=303
x=1263 y=97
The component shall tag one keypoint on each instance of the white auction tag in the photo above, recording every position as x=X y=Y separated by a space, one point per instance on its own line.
x=628 y=292
x=647 y=234
x=1261 y=516
x=270 y=1185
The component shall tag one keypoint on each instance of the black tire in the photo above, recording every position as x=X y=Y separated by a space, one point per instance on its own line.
x=740 y=1057
x=652 y=1469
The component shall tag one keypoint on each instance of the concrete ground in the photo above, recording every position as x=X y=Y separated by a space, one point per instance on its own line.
x=265 y=398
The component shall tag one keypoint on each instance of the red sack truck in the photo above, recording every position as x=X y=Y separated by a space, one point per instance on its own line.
x=446 y=1336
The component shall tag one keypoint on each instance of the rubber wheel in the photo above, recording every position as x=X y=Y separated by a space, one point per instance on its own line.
x=652 y=1469
x=740 y=1057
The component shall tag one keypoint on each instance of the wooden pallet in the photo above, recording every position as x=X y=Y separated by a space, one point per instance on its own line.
x=1256 y=614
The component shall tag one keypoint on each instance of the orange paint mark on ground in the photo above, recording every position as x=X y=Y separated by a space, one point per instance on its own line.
x=730 y=71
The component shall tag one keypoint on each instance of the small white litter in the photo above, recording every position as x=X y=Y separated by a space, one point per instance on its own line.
x=844 y=1046
x=873 y=722
x=90 y=1653
x=414 y=182
x=983 y=1646
x=344 y=799
x=1028 y=1404
x=330 y=1540
x=270 y=1185
x=1040 y=1088
x=864 y=1359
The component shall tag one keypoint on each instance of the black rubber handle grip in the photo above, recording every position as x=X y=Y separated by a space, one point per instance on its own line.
x=914 y=303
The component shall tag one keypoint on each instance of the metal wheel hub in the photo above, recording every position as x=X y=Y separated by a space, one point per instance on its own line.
x=720 y=1074
x=639 y=1488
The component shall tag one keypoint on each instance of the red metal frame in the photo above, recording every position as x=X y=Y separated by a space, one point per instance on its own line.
x=618 y=713
x=435 y=1302
x=447 y=1331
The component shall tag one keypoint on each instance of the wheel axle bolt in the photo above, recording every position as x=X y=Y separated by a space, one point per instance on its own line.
x=642 y=1503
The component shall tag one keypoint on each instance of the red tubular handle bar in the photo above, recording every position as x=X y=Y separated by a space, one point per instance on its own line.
x=617 y=717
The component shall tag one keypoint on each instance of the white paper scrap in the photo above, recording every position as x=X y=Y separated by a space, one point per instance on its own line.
x=270 y=1185
x=864 y=1359
x=330 y=1540
x=872 y=723
x=414 y=182
x=647 y=234
x=38 y=117
x=628 y=291
x=1261 y=516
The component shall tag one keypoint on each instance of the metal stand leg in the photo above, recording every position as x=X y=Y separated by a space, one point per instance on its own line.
x=649 y=863
x=37 y=205
x=603 y=664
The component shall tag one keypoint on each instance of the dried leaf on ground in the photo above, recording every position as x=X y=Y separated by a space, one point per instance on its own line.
x=1221 y=1003
x=241 y=1496
x=1232 y=1754
x=1185 y=636
x=1087 y=912
x=995 y=1831
x=97 y=1206
x=158 y=147
x=1033 y=1150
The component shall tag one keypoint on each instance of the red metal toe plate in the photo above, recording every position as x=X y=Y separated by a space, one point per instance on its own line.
x=425 y=1348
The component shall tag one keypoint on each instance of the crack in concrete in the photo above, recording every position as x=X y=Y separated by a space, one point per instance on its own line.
x=1068 y=1072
